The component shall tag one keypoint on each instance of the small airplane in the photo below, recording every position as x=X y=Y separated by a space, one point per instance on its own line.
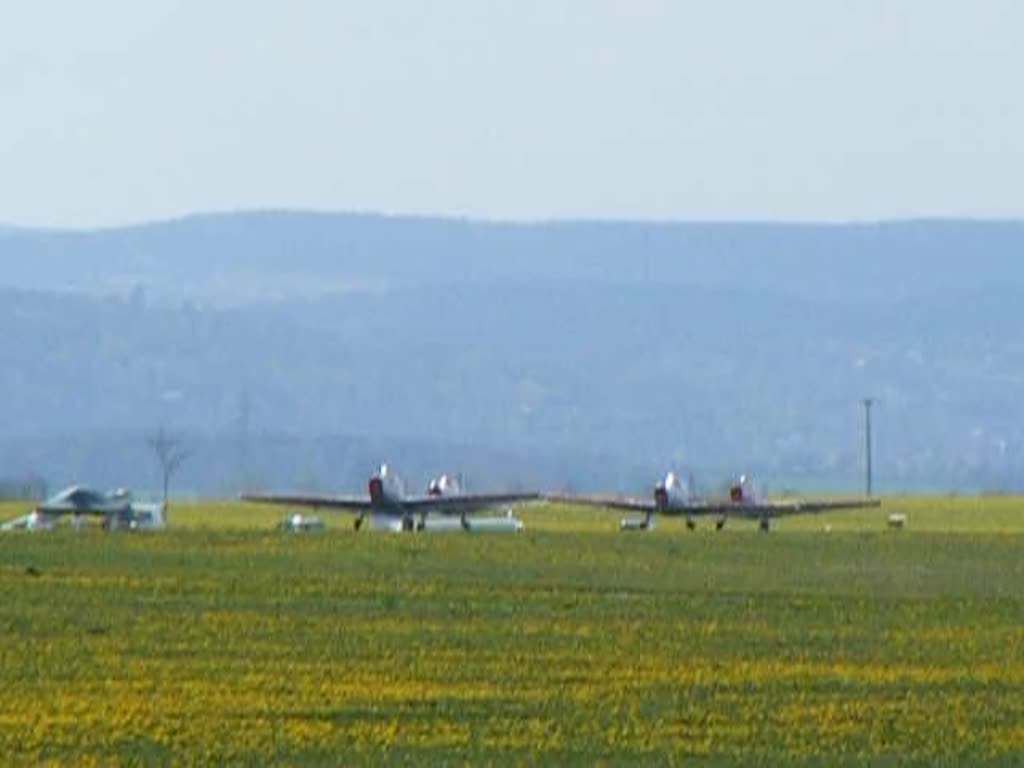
x=672 y=498
x=388 y=507
x=117 y=508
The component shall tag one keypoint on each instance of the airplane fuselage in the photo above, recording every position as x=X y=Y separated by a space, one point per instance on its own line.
x=392 y=510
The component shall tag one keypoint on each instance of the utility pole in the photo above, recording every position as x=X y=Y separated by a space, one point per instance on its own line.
x=242 y=436
x=868 y=402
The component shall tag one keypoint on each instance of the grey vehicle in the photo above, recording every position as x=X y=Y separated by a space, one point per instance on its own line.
x=116 y=509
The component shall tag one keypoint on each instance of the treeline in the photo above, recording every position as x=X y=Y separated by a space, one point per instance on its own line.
x=23 y=487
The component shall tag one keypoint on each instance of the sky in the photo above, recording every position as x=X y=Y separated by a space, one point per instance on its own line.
x=118 y=111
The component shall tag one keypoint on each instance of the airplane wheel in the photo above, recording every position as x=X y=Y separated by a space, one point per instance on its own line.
x=719 y=525
x=764 y=525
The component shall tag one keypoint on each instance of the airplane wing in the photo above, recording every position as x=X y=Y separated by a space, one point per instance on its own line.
x=627 y=503
x=344 y=503
x=57 y=509
x=84 y=501
x=461 y=503
x=781 y=508
x=697 y=508
x=464 y=502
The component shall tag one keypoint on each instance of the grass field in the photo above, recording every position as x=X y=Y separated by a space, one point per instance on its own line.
x=222 y=641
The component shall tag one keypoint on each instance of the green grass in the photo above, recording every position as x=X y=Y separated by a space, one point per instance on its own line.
x=222 y=640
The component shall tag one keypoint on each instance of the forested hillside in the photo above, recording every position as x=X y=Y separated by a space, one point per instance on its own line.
x=298 y=349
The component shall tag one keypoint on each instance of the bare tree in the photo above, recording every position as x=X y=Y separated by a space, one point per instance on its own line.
x=169 y=451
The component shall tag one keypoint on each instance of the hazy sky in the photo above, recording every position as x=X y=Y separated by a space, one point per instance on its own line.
x=121 y=110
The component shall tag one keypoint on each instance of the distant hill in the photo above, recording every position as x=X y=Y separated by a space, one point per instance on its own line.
x=231 y=258
x=300 y=348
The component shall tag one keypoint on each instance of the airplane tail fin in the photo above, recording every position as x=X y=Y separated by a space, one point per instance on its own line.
x=674 y=491
x=446 y=485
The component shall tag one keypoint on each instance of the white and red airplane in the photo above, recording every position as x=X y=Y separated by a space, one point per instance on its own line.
x=388 y=507
x=671 y=497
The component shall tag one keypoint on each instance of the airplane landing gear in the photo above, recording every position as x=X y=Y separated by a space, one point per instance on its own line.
x=764 y=525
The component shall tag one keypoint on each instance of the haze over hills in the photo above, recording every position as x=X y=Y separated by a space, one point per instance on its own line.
x=281 y=255
x=299 y=348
